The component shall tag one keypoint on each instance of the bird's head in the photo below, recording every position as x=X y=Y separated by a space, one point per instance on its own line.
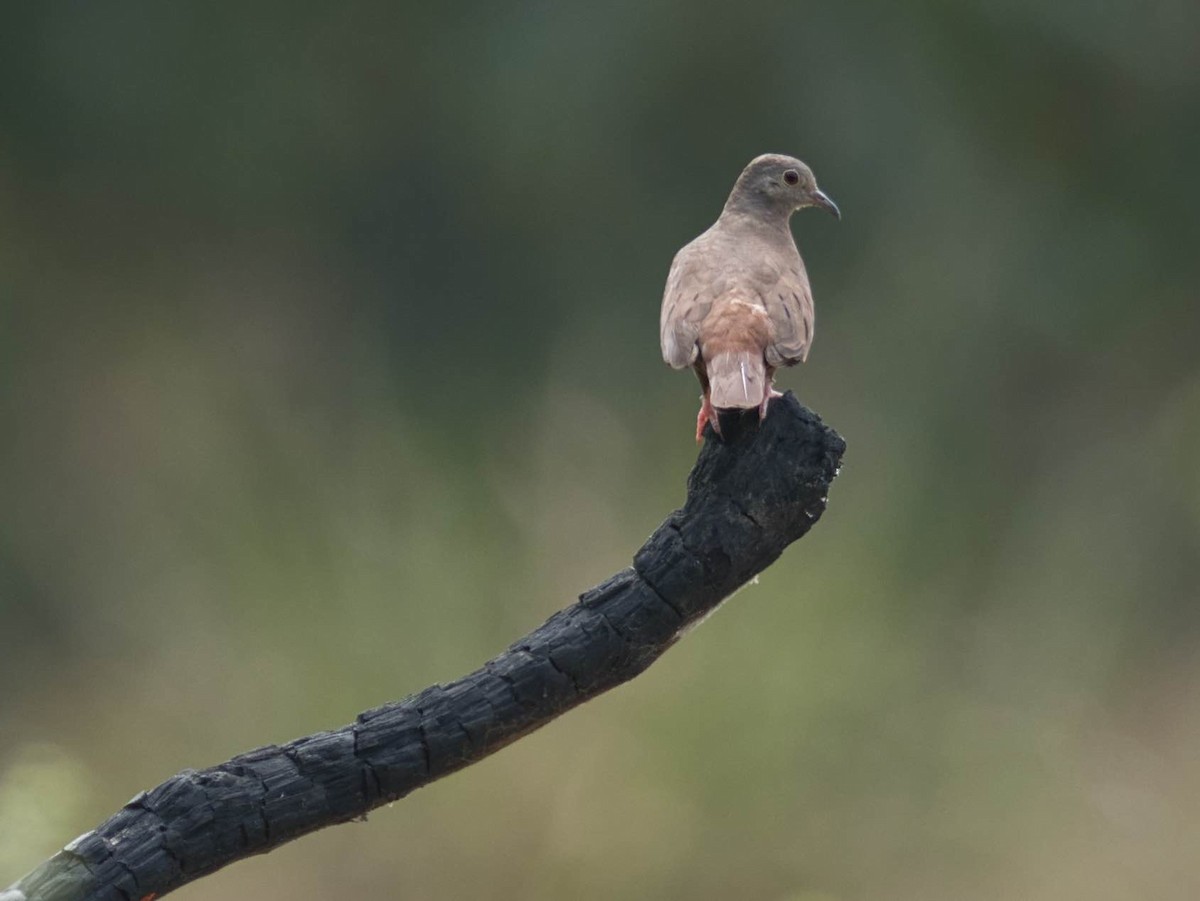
x=779 y=183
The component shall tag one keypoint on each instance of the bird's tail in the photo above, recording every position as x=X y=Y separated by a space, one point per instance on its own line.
x=737 y=379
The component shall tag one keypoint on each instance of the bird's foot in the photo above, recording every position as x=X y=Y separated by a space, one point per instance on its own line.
x=767 y=398
x=706 y=414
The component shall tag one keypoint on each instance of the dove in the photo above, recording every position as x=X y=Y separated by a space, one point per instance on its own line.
x=738 y=305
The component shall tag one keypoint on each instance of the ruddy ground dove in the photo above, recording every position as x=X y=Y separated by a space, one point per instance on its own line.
x=738 y=304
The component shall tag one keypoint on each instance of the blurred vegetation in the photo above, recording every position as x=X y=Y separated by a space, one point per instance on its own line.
x=329 y=365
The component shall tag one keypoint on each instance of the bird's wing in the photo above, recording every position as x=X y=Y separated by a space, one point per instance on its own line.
x=789 y=302
x=687 y=300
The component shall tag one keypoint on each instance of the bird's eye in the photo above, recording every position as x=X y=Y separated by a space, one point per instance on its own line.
x=791 y=176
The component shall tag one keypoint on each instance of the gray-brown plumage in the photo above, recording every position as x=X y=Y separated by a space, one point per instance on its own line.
x=738 y=304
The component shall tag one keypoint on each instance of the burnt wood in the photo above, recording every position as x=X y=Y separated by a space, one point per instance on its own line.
x=748 y=497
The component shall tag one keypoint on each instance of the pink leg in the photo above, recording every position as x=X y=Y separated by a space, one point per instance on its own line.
x=767 y=397
x=706 y=414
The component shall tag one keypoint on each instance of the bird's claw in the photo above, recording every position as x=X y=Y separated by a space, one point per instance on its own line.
x=707 y=414
x=767 y=398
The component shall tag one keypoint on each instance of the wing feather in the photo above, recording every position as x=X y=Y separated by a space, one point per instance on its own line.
x=686 y=301
x=789 y=303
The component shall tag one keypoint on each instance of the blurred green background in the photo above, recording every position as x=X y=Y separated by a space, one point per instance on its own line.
x=329 y=365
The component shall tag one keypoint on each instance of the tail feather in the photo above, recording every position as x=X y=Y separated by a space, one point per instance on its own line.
x=737 y=380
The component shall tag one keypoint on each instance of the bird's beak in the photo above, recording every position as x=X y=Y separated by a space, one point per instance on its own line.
x=825 y=202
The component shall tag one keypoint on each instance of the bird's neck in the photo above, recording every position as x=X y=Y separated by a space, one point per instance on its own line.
x=752 y=214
